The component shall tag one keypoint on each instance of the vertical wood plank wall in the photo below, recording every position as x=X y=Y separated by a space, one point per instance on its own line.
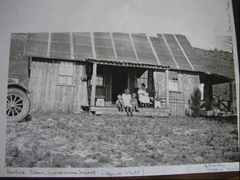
x=176 y=103
x=48 y=96
x=187 y=84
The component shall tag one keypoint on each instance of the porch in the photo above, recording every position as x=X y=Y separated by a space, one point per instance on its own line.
x=143 y=111
x=109 y=81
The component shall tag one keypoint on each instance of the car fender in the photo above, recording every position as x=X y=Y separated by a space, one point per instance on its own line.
x=19 y=86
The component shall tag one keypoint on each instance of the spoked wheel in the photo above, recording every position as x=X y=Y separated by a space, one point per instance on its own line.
x=18 y=105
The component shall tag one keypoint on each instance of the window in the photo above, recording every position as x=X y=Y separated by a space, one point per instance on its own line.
x=173 y=85
x=173 y=81
x=66 y=73
x=142 y=77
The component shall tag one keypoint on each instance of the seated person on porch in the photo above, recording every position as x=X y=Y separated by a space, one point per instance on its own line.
x=134 y=102
x=143 y=96
x=120 y=103
x=126 y=100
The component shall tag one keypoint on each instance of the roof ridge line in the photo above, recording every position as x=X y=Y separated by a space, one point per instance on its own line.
x=170 y=51
x=49 y=44
x=183 y=52
x=134 y=49
x=71 y=46
x=93 y=45
x=113 y=45
x=25 y=44
x=153 y=50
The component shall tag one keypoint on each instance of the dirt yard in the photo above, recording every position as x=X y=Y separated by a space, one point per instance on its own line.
x=82 y=140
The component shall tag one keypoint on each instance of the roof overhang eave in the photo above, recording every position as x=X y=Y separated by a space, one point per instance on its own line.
x=126 y=63
x=219 y=79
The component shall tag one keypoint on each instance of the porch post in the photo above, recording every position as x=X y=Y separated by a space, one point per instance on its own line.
x=93 y=93
x=150 y=82
x=208 y=94
x=167 y=87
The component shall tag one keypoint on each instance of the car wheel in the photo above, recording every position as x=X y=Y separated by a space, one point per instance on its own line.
x=18 y=105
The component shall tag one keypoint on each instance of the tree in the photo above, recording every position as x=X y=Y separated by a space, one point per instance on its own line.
x=195 y=102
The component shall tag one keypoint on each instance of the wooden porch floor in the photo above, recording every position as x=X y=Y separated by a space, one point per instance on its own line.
x=143 y=111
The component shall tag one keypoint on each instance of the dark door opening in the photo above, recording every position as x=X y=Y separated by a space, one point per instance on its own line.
x=119 y=81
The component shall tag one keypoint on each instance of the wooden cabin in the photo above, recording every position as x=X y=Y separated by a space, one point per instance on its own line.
x=70 y=70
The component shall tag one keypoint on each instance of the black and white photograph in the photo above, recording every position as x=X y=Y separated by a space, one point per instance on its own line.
x=120 y=99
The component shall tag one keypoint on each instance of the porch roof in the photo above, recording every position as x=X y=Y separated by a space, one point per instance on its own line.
x=129 y=49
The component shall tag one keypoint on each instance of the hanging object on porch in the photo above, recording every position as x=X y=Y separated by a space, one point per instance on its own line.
x=84 y=77
x=159 y=83
x=89 y=70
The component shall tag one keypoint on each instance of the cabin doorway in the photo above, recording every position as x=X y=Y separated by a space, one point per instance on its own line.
x=119 y=81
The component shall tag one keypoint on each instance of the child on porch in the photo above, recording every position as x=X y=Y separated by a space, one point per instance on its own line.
x=120 y=103
x=127 y=104
x=134 y=102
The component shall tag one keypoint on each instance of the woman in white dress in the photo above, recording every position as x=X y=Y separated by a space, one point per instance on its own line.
x=143 y=95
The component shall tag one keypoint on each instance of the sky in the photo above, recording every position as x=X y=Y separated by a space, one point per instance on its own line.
x=202 y=21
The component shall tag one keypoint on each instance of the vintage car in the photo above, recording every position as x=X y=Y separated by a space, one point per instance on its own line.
x=18 y=103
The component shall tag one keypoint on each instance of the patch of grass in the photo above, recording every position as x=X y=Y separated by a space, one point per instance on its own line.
x=70 y=140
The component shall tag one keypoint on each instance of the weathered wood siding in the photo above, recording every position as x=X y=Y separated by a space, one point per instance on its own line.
x=187 y=83
x=48 y=96
x=176 y=103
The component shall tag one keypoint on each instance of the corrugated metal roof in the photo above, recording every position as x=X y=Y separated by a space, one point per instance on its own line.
x=161 y=50
x=124 y=47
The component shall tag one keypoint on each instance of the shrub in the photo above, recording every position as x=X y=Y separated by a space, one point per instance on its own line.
x=195 y=102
